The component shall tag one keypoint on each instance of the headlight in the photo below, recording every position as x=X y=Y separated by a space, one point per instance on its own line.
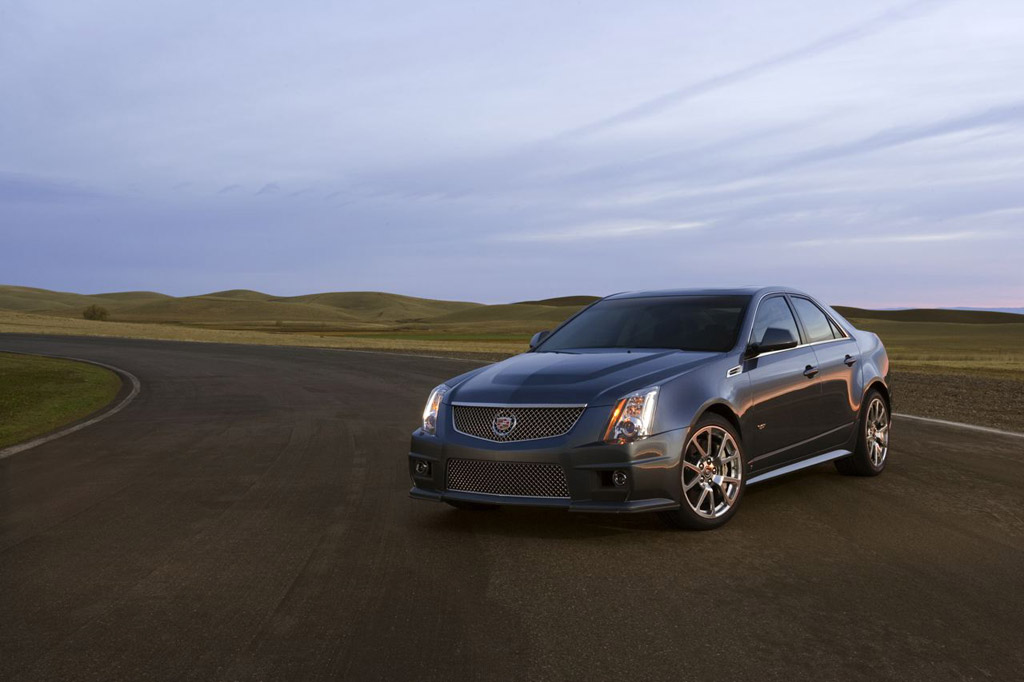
x=433 y=405
x=633 y=417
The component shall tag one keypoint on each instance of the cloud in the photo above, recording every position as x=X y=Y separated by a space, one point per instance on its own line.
x=697 y=176
x=16 y=187
x=805 y=52
x=604 y=230
x=918 y=238
x=1008 y=114
x=901 y=129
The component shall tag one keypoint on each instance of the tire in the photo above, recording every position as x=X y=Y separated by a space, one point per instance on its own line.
x=711 y=485
x=872 y=438
x=471 y=506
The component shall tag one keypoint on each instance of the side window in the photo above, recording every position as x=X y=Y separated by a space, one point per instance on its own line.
x=815 y=322
x=773 y=313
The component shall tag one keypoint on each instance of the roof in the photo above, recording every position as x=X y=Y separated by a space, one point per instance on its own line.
x=732 y=291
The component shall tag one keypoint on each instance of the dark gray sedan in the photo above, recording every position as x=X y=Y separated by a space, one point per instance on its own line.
x=661 y=401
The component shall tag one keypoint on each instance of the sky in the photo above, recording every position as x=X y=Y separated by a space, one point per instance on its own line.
x=871 y=153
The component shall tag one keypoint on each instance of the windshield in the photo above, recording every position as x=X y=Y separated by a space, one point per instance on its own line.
x=697 y=323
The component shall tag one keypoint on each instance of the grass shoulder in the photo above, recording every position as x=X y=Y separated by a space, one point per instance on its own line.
x=39 y=395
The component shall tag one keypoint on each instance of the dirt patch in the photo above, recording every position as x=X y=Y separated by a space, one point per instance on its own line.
x=981 y=400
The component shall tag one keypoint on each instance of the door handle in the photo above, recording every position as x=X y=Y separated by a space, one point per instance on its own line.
x=810 y=371
x=850 y=360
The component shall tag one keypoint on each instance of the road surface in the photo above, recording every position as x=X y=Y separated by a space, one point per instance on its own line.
x=246 y=518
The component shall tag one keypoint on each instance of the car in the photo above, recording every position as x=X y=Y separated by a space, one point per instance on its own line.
x=660 y=401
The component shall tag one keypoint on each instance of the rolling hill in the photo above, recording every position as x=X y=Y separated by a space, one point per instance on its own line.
x=29 y=299
x=978 y=343
x=239 y=295
x=369 y=311
x=572 y=301
x=210 y=310
x=933 y=315
x=378 y=306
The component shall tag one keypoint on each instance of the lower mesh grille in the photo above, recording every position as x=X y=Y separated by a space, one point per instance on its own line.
x=527 y=479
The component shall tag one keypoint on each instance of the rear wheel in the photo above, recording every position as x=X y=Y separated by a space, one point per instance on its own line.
x=872 y=440
x=711 y=476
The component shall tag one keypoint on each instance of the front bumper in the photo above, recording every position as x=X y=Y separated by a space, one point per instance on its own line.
x=651 y=466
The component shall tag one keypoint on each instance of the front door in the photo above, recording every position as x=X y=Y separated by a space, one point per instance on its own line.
x=785 y=393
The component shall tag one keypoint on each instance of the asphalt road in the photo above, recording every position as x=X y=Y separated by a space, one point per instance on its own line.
x=246 y=517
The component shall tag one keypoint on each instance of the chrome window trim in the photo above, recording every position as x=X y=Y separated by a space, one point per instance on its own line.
x=785 y=294
x=802 y=345
x=753 y=319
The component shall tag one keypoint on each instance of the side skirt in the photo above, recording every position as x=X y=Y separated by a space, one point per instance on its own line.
x=797 y=466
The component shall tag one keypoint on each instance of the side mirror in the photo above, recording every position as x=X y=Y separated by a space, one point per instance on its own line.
x=774 y=339
x=538 y=338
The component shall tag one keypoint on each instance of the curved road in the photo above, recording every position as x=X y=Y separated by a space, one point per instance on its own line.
x=246 y=517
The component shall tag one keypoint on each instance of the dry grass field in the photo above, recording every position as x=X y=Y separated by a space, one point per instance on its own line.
x=986 y=349
x=936 y=353
x=26 y=323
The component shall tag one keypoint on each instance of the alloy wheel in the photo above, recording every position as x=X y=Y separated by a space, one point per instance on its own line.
x=712 y=472
x=877 y=432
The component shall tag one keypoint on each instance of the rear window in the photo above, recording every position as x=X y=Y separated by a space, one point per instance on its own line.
x=816 y=323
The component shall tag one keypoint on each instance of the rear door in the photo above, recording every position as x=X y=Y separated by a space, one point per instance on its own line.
x=785 y=392
x=837 y=357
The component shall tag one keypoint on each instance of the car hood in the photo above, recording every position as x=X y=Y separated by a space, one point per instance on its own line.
x=592 y=377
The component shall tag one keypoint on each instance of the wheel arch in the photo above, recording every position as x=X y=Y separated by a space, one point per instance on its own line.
x=880 y=386
x=723 y=410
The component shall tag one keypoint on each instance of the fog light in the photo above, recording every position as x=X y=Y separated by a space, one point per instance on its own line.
x=422 y=467
x=620 y=478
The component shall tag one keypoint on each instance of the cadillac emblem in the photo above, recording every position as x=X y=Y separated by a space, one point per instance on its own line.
x=503 y=424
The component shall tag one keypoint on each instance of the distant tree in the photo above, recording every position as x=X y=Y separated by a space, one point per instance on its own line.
x=96 y=312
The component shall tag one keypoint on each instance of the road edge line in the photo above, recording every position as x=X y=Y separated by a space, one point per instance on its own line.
x=40 y=440
x=970 y=427
x=399 y=354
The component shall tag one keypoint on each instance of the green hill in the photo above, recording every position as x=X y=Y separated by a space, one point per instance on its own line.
x=239 y=295
x=933 y=315
x=28 y=299
x=208 y=310
x=132 y=296
x=363 y=311
x=382 y=307
x=573 y=301
x=510 y=318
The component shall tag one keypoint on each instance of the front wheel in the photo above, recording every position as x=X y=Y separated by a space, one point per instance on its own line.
x=872 y=439
x=711 y=476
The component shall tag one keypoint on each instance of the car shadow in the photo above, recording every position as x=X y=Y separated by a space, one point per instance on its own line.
x=558 y=524
x=553 y=524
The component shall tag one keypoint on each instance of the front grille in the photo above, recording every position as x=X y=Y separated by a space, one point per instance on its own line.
x=512 y=423
x=527 y=479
